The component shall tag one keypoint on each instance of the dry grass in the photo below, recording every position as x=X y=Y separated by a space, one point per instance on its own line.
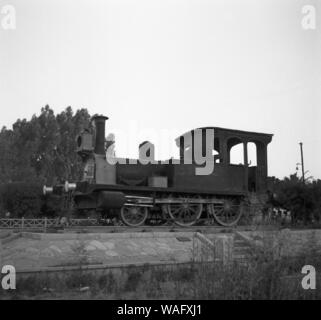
x=265 y=275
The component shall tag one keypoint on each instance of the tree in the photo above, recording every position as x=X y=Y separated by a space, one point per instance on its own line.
x=43 y=148
x=39 y=151
x=6 y=155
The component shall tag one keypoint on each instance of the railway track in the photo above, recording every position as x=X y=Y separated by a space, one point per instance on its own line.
x=126 y=229
x=93 y=226
x=151 y=229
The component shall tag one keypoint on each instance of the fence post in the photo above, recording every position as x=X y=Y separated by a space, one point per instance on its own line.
x=1 y=255
x=45 y=224
x=214 y=249
x=193 y=250
x=227 y=249
x=22 y=223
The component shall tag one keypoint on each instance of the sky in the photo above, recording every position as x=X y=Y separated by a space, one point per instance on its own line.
x=155 y=66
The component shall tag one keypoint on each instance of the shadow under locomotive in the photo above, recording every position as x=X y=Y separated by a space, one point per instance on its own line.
x=159 y=192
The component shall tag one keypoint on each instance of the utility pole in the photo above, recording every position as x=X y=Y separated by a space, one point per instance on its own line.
x=302 y=163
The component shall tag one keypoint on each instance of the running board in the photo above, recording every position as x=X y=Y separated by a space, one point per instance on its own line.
x=150 y=202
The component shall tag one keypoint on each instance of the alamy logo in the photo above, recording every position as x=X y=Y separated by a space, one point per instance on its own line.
x=8 y=17
x=308 y=21
x=8 y=274
x=196 y=147
x=309 y=280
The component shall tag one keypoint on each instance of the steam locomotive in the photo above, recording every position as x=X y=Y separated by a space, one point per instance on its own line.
x=141 y=191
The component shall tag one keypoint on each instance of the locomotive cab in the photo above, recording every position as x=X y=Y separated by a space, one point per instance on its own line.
x=227 y=176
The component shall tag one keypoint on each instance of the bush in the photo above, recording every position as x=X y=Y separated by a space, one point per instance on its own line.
x=303 y=200
x=21 y=199
x=51 y=206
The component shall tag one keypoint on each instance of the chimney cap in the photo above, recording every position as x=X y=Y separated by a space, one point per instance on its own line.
x=99 y=117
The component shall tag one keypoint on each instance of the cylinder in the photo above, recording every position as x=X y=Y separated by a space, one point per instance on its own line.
x=110 y=200
x=99 y=124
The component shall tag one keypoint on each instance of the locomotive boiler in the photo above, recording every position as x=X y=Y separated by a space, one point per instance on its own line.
x=140 y=191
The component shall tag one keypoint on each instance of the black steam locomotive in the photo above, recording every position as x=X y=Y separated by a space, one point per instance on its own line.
x=149 y=190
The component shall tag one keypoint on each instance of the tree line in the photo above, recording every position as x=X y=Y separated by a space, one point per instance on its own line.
x=42 y=149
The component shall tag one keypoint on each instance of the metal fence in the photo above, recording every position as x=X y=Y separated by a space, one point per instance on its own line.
x=45 y=223
x=218 y=249
x=203 y=248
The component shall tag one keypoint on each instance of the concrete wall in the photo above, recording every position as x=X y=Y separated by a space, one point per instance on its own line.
x=285 y=242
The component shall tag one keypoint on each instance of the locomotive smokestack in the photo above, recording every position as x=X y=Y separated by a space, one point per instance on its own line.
x=99 y=124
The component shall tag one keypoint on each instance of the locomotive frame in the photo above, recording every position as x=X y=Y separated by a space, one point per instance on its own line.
x=171 y=191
